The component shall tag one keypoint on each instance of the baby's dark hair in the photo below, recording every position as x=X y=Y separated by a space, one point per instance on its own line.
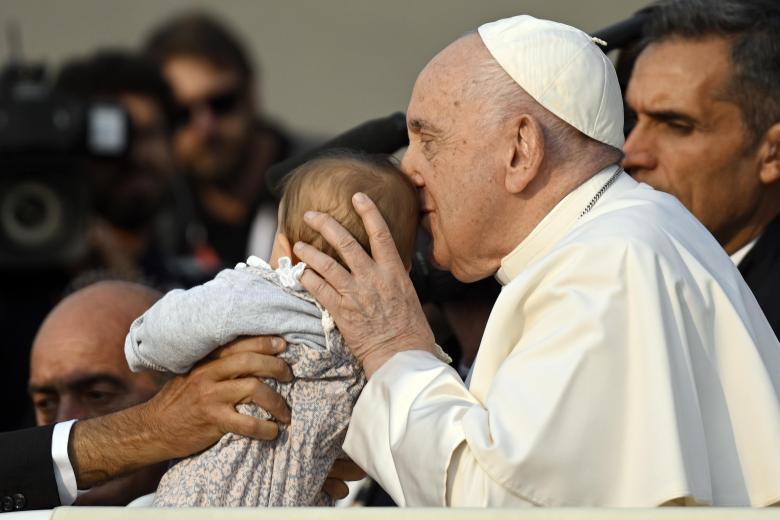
x=327 y=184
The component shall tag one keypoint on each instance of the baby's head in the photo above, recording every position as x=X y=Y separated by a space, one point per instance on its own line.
x=327 y=184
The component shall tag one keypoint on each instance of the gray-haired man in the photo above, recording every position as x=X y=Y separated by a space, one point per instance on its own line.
x=704 y=92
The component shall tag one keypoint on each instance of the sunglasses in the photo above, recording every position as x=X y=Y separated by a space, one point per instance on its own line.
x=220 y=104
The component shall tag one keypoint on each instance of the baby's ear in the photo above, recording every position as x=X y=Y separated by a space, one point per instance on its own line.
x=281 y=248
x=284 y=245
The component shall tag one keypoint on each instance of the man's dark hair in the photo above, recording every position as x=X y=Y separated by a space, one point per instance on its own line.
x=200 y=35
x=110 y=73
x=753 y=28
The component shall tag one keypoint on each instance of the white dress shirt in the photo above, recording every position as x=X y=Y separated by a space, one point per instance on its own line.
x=740 y=254
x=625 y=363
x=63 y=470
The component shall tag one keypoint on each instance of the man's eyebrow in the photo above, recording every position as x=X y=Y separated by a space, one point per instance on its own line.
x=79 y=382
x=46 y=389
x=420 y=125
x=671 y=115
x=94 y=379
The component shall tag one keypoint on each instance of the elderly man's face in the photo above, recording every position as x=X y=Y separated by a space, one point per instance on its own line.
x=452 y=160
x=689 y=139
x=217 y=116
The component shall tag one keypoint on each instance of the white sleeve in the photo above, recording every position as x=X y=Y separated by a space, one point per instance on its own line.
x=406 y=432
x=63 y=470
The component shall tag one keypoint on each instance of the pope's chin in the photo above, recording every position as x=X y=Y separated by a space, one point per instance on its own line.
x=464 y=276
x=443 y=261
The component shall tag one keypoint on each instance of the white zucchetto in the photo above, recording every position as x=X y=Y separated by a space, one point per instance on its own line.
x=562 y=69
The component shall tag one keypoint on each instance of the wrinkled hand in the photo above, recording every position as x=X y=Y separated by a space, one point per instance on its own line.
x=374 y=306
x=189 y=414
x=343 y=471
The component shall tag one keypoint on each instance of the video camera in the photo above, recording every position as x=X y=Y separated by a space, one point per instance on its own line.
x=45 y=136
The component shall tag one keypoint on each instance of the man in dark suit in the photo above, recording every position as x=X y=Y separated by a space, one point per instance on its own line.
x=78 y=370
x=222 y=143
x=27 y=472
x=189 y=414
x=761 y=270
x=704 y=97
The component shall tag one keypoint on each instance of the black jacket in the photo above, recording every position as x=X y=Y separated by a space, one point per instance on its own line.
x=761 y=270
x=27 y=471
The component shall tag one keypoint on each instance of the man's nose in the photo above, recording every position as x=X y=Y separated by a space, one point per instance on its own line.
x=203 y=122
x=408 y=166
x=638 y=151
x=70 y=408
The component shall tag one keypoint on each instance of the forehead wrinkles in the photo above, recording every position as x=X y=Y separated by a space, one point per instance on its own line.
x=439 y=96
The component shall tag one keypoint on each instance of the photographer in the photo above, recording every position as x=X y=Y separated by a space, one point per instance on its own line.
x=220 y=143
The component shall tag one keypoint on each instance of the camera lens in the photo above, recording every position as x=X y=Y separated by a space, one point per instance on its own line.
x=31 y=214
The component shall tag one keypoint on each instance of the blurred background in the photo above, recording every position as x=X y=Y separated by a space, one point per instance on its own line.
x=325 y=66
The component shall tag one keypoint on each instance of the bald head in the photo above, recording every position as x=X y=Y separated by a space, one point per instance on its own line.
x=77 y=365
x=467 y=72
x=104 y=308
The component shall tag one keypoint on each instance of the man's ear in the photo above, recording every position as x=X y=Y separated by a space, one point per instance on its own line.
x=526 y=155
x=770 y=161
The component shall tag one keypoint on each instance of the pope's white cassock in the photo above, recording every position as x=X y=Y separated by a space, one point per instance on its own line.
x=625 y=363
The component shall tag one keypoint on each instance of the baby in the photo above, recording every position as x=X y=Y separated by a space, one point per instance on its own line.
x=261 y=299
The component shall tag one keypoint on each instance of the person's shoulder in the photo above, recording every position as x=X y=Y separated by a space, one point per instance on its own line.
x=652 y=231
x=648 y=221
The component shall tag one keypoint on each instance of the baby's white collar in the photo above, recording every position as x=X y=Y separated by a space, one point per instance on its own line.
x=289 y=274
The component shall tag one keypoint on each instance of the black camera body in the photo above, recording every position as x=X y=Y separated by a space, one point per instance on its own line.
x=44 y=138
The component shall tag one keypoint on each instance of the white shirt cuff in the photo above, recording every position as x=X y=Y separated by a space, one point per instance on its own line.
x=63 y=471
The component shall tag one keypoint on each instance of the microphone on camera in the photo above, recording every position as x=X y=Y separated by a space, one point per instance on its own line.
x=383 y=135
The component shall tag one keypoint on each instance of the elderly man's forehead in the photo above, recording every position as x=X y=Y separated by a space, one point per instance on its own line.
x=462 y=52
x=451 y=70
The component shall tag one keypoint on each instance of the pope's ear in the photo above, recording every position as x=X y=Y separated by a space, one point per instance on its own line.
x=526 y=155
x=770 y=163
